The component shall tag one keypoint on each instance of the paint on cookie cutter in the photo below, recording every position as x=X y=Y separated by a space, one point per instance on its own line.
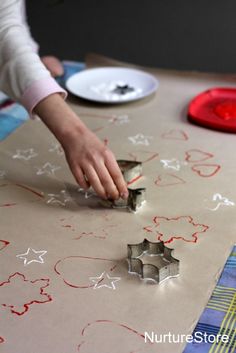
x=131 y=170
x=167 y=266
x=134 y=202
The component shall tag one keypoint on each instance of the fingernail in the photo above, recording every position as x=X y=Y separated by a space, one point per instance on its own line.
x=125 y=195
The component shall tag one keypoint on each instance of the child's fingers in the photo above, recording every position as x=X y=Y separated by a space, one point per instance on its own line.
x=53 y=65
x=94 y=181
x=80 y=178
x=106 y=180
x=116 y=175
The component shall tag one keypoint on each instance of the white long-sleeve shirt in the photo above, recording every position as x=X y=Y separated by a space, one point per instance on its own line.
x=23 y=76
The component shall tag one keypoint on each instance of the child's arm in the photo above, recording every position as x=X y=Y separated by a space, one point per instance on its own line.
x=25 y=79
x=23 y=76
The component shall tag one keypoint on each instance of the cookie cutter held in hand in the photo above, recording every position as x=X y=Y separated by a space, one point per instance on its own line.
x=135 y=200
x=167 y=266
x=131 y=171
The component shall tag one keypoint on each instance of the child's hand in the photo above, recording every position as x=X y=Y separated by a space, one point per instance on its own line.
x=53 y=65
x=90 y=161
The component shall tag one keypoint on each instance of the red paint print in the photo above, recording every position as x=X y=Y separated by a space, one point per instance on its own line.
x=1 y=339
x=8 y=204
x=101 y=233
x=76 y=270
x=206 y=170
x=169 y=180
x=143 y=156
x=68 y=226
x=195 y=155
x=31 y=292
x=3 y=244
x=128 y=339
x=175 y=134
x=30 y=190
x=11 y=203
x=89 y=234
x=179 y=228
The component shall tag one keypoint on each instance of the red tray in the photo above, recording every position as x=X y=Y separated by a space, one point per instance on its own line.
x=215 y=109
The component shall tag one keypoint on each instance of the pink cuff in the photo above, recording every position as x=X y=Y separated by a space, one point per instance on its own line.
x=39 y=90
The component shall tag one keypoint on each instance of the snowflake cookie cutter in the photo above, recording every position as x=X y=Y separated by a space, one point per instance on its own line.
x=166 y=266
x=134 y=202
x=131 y=170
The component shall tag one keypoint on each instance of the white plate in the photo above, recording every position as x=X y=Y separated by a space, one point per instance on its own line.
x=108 y=84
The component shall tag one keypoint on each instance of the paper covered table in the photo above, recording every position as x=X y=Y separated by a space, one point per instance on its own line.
x=64 y=281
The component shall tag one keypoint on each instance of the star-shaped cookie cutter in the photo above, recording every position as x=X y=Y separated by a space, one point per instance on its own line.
x=167 y=265
x=131 y=170
x=123 y=89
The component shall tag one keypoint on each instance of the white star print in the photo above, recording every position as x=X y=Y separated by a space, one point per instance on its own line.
x=32 y=255
x=87 y=194
x=120 y=120
x=25 y=154
x=60 y=199
x=223 y=201
x=56 y=147
x=104 y=280
x=47 y=169
x=171 y=164
x=140 y=139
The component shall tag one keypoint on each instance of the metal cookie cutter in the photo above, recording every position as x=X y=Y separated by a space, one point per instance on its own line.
x=133 y=203
x=131 y=170
x=123 y=89
x=160 y=264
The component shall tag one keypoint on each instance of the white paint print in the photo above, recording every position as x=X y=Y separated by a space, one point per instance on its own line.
x=32 y=255
x=221 y=201
x=87 y=194
x=104 y=280
x=26 y=155
x=171 y=164
x=140 y=139
x=56 y=147
x=47 y=168
x=116 y=91
x=120 y=120
x=59 y=199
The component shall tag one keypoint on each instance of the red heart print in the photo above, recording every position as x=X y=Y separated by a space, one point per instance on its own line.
x=169 y=180
x=206 y=170
x=175 y=134
x=196 y=155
